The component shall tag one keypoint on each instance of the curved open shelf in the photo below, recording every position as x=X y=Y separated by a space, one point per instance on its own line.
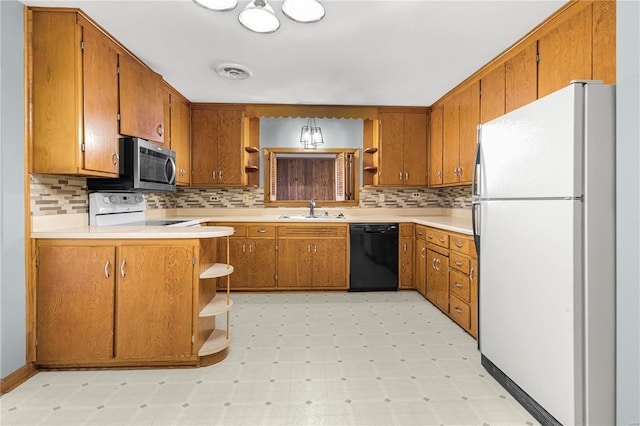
x=217 y=270
x=218 y=305
x=216 y=342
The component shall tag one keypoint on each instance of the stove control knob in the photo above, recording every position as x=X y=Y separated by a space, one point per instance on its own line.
x=139 y=198
x=105 y=200
x=113 y=198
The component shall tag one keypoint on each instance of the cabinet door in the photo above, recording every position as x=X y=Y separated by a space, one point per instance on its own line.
x=204 y=142
x=436 y=146
x=492 y=99
x=415 y=149
x=565 y=53
x=451 y=140
x=406 y=263
x=438 y=280
x=391 y=162
x=521 y=78
x=469 y=120
x=239 y=258
x=473 y=283
x=100 y=102
x=141 y=106
x=75 y=304
x=329 y=263
x=261 y=269
x=180 y=138
x=420 y=256
x=295 y=262
x=230 y=150
x=154 y=302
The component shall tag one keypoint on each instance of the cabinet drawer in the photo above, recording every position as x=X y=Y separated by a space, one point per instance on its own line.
x=406 y=229
x=459 y=285
x=463 y=245
x=258 y=231
x=437 y=237
x=459 y=262
x=239 y=228
x=317 y=231
x=460 y=312
x=421 y=232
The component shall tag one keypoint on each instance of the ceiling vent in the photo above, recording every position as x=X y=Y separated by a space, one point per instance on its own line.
x=233 y=71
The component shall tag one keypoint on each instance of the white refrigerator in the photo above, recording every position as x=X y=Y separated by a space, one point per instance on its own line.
x=544 y=222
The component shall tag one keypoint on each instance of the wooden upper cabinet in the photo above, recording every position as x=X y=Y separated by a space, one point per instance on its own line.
x=565 y=53
x=403 y=148
x=521 y=78
x=391 y=162
x=435 y=146
x=604 y=41
x=74 y=92
x=461 y=119
x=217 y=146
x=492 y=99
x=141 y=102
x=177 y=119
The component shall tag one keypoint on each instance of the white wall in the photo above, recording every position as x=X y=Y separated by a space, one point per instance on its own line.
x=12 y=244
x=628 y=211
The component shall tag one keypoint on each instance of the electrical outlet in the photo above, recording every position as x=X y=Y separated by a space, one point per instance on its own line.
x=415 y=195
x=381 y=198
x=214 y=198
x=245 y=198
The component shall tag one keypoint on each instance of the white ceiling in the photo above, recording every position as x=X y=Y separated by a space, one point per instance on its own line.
x=362 y=53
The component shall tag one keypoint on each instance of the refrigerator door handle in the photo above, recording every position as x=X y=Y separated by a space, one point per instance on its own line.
x=475 y=222
x=476 y=163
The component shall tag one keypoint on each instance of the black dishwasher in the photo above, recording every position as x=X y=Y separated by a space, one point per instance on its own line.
x=373 y=256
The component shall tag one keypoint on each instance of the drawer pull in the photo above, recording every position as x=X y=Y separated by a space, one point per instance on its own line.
x=459 y=245
x=262 y=231
x=405 y=247
x=471 y=274
x=106 y=269
x=458 y=310
x=122 y=268
x=458 y=285
x=423 y=251
x=441 y=240
x=458 y=263
x=430 y=237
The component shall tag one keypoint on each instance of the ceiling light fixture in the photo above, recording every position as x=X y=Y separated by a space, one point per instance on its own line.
x=259 y=17
x=311 y=135
x=304 y=11
x=233 y=71
x=217 y=5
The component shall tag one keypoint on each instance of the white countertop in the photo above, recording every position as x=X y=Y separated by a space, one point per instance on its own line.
x=460 y=223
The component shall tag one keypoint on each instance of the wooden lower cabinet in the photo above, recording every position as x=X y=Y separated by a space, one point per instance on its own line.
x=254 y=262
x=154 y=302
x=405 y=256
x=437 y=291
x=115 y=303
x=420 y=266
x=75 y=303
x=312 y=256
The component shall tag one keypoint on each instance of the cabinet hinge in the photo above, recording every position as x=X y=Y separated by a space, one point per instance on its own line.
x=37 y=261
x=193 y=261
x=82 y=45
x=537 y=57
x=118 y=69
x=118 y=117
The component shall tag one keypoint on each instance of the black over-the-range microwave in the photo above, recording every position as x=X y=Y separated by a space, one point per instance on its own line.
x=144 y=167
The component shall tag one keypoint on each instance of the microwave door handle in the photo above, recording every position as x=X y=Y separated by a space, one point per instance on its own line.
x=172 y=179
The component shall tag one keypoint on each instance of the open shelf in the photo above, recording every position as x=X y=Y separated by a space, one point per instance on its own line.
x=250 y=169
x=217 y=270
x=216 y=342
x=370 y=150
x=217 y=306
x=251 y=149
x=370 y=169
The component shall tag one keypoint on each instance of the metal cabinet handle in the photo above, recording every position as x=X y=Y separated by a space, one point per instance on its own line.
x=437 y=261
x=220 y=175
x=406 y=176
x=400 y=175
x=122 y=274
x=458 y=285
x=439 y=174
x=308 y=248
x=106 y=269
x=458 y=310
x=115 y=158
x=315 y=248
x=160 y=130
x=404 y=247
x=433 y=263
x=250 y=248
x=471 y=273
x=458 y=263
x=430 y=237
x=441 y=240
x=262 y=231
x=243 y=248
x=459 y=245
x=423 y=251
x=213 y=175
x=460 y=171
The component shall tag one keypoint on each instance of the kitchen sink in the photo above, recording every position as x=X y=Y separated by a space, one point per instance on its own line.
x=315 y=216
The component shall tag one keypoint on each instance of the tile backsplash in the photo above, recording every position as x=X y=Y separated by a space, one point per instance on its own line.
x=57 y=195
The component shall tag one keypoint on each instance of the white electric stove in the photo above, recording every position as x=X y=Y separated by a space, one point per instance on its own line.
x=126 y=209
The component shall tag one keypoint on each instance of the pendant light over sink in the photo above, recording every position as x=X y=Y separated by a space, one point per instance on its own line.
x=258 y=16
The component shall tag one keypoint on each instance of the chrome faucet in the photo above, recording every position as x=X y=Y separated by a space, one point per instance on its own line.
x=312 y=206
